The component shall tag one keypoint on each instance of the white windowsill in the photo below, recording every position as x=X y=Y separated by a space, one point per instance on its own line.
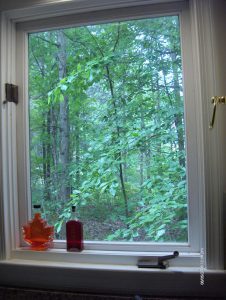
x=82 y=260
x=102 y=259
x=86 y=266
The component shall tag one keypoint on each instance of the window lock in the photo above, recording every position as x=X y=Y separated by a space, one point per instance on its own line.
x=157 y=262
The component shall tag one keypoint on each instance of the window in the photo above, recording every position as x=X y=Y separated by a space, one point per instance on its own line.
x=107 y=129
x=106 y=111
x=32 y=36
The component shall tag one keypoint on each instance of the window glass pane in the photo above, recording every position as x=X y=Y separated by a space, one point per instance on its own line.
x=107 y=129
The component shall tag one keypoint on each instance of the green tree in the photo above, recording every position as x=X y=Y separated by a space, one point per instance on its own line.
x=107 y=129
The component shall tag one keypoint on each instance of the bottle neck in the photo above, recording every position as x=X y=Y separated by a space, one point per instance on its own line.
x=74 y=216
x=37 y=215
x=37 y=211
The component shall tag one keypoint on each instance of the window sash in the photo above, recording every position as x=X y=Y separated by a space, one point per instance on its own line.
x=22 y=114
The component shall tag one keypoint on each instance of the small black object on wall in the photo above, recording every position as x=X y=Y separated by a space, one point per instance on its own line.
x=11 y=91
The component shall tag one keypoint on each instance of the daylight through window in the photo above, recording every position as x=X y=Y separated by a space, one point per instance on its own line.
x=107 y=129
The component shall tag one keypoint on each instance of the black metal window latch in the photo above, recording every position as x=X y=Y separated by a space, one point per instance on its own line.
x=157 y=262
x=11 y=92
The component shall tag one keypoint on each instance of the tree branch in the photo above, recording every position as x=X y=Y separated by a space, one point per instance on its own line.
x=48 y=41
x=38 y=64
x=117 y=38
x=95 y=40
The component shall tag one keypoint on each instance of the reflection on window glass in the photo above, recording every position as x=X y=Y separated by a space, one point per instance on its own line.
x=107 y=129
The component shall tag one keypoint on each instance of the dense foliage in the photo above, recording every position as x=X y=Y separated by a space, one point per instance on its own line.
x=107 y=129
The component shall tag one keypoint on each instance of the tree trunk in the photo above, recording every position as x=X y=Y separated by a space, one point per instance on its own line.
x=77 y=153
x=63 y=122
x=46 y=152
x=121 y=176
x=142 y=148
x=178 y=117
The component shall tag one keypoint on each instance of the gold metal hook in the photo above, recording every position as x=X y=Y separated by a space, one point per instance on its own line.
x=216 y=100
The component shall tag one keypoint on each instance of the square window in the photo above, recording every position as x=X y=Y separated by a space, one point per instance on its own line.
x=107 y=132
x=106 y=122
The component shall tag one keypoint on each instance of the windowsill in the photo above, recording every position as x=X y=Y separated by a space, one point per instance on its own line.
x=101 y=259
x=104 y=267
x=93 y=266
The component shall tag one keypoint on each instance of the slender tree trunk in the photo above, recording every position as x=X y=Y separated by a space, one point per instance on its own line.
x=54 y=126
x=77 y=153
x=157 y=121
x=121 y=175
x=54 y=113
x=178 y=117
x=46 y=150
x=142 y=148
x=63 y=121
x=125 y=165
x=44 y=155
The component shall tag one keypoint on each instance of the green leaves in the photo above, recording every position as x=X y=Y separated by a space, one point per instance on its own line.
x=119 y=111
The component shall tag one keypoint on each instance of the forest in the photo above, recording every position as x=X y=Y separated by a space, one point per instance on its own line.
x=107 y=130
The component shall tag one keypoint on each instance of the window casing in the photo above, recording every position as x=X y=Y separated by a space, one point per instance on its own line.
x=22 y=29
x=22 y=181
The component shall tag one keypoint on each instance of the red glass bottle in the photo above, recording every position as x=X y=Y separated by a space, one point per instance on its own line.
x=74 y=233
x=37 y=233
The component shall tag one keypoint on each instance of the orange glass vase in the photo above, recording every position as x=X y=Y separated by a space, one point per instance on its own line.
x=37 y=233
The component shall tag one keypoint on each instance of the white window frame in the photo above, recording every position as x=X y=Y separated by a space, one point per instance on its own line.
x=22 y=117
x=201 y=90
